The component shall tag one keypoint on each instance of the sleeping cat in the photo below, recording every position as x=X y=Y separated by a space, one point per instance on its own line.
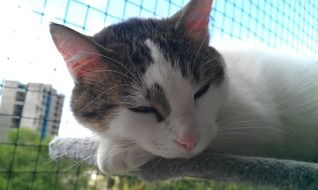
x=154 y=87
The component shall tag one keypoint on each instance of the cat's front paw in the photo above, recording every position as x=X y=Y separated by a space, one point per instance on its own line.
x=114 y=158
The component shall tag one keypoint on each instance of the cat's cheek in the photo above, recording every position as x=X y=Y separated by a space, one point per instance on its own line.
x=208 y=136
x=206 y=114
x=131 y=126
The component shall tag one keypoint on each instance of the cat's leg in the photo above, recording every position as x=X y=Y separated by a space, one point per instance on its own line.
x=117 y=158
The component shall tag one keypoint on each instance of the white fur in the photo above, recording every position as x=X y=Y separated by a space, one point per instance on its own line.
x=267 y=106
x=272 y=109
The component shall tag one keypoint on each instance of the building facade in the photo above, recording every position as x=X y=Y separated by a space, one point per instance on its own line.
x=35 y=105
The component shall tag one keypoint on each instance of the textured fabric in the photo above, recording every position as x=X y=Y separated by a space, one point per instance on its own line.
x=266 y=171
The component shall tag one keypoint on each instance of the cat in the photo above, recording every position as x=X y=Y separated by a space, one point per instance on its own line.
x=155 y=87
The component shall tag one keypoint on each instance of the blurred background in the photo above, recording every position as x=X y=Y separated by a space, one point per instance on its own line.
x=35 y=86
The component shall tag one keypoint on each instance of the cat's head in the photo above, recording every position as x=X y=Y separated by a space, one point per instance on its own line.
x=153 y=82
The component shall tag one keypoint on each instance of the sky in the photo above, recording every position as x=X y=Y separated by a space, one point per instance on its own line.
x=27 y=53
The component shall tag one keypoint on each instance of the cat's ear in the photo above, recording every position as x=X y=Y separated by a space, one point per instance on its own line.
x=194 y=19
x=79 y=52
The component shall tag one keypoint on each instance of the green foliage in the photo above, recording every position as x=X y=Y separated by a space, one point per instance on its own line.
x=25 y=165
x=23 y=135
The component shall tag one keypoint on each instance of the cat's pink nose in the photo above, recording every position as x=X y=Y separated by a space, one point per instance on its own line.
x=187 y=141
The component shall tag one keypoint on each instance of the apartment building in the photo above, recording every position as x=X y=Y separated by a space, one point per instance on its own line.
x=33 y=105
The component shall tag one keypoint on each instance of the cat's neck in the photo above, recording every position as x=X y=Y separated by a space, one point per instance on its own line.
x=250 y=95
x=268 y=107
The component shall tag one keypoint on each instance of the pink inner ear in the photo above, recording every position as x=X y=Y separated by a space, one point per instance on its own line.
x=81 y=57
x=197 y=20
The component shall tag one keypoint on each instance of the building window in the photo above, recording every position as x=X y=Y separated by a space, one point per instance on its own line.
x=15 y=122
x=20 y=96
x=17 y=110
x=21 y=86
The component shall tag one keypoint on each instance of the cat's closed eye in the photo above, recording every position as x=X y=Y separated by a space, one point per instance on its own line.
x=147 y=109
x=201 y=91
x=143 y=109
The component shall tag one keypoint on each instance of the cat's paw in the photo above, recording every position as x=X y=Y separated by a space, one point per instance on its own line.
x=113 y=158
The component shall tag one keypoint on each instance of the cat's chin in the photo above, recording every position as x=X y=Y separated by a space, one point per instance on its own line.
x=186 y=155
x=179 y=153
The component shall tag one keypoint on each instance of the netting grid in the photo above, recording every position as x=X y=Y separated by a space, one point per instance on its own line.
x=24 y=161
